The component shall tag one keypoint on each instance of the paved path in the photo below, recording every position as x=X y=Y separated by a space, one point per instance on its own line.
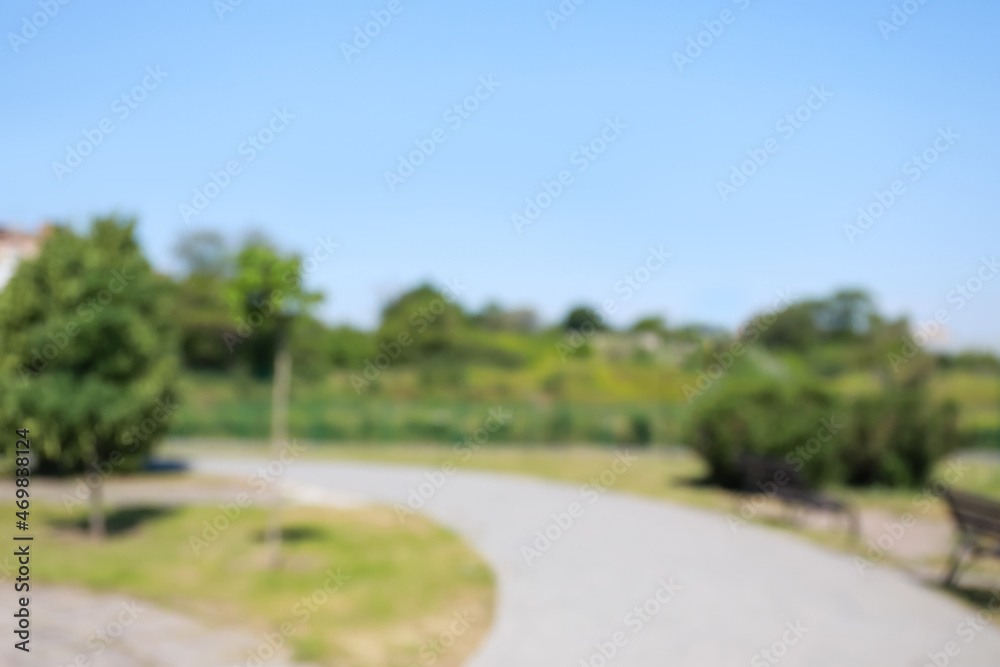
x=740 y=593
x=73 y=627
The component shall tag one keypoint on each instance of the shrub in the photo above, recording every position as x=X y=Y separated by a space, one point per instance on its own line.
x=892 y=440
x=641 y=430
x=763 y=418
x=895 y=439
x=560 y=426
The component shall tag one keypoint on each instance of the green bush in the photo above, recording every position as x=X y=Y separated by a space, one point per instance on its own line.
x=892 y=440
x=895 y=439
x=560 y=428
x=763 y=418
x=641 y=430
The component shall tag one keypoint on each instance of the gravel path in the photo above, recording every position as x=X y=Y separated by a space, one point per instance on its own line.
x=643 y=583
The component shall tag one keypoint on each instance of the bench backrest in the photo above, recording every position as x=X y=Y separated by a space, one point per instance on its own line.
x=974 y=513
x=756 y=469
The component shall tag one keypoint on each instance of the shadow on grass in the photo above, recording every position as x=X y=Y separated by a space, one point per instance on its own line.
x=119 y=521
x=166 y=466
x=296 y=534
x=977 y=595
x=696 y=482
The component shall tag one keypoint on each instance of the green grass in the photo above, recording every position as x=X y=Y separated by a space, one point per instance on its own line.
x=404 y=580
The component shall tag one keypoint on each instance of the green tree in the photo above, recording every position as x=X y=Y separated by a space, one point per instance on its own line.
x=350 y=347
x=200 y=305
x=310 y=347
x=203 y=322
x=203 y=253
x=848 y=316
x=793 y=328
x=88 y=354
x=495 y=318
x=422 y=324
x=652 y=324
x=582 y=318
x=266 y=295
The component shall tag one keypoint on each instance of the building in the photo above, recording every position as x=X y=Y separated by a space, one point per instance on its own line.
x=15 y=246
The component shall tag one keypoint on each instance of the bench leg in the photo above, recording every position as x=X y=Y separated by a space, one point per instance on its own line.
x=793 y=514
x=853 y=524
x=739 y=500
x=962 y=550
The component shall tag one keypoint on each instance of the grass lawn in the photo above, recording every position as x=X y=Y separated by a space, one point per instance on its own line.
x=399 y=584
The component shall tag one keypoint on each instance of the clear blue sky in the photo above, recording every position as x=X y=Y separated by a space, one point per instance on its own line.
x=323 y=174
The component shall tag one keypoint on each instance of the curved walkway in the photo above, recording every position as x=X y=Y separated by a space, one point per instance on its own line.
x=643 y=583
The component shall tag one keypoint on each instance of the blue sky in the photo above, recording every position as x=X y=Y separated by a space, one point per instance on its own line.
x=656 y=184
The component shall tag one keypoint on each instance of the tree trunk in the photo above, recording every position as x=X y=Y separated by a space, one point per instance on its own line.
x=97 y=523
x=97 y=529
x=281 y=389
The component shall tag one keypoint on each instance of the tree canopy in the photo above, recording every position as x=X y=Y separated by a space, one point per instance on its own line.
x=88 y=349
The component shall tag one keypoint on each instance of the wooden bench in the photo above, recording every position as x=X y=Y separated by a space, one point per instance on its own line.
x=771 y=477
x=978 y=522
